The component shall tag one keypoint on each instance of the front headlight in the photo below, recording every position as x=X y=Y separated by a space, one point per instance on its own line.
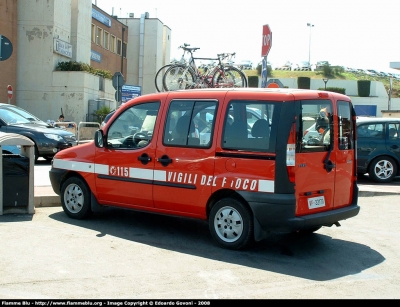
x=54 y=137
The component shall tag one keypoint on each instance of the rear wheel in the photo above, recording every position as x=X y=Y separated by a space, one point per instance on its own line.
x=178 y=77
x=75 y=198
x=159 y=77
x=231 y=224
x=382 y=169
x=230 y=77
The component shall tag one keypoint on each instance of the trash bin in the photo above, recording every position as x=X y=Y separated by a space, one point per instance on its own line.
x=16 y=175
x=15 y=180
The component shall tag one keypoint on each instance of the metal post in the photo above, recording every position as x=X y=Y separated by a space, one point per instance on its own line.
x=309 y=44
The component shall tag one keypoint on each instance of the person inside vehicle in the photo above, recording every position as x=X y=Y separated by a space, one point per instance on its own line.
x=323 y=120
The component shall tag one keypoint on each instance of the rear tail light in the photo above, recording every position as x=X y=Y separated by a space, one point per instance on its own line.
x=291 y=160
x=291 y=153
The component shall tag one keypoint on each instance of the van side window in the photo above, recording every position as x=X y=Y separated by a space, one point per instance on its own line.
x=134 y=127
x=316 y=125
x=247 y=126
x=345 y=140
x=190 y=123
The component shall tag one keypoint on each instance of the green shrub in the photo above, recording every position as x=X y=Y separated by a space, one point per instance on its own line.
x=303 y=82
x=339 y=90
x=79 y=66
x=364 y=88
x=101 y=113
x=253 y=81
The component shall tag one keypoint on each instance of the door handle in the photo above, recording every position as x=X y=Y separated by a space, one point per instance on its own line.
x=164 y=160
x=329 y=166
x=144 y=158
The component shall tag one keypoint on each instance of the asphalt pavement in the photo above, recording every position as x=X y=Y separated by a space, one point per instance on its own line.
x=44 y=195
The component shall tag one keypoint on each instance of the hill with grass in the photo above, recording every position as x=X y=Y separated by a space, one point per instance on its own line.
x=338 y=74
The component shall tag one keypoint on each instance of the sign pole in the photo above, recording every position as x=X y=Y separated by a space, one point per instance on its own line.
x=265 y=48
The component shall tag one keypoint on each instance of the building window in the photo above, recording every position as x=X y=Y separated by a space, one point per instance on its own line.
x=119 y=47
x=93 y=33
x=113 y=43
x=124 y=49
x=106 y=40
x=99 y=35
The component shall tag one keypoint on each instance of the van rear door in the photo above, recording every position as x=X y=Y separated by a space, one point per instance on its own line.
x=325 y=164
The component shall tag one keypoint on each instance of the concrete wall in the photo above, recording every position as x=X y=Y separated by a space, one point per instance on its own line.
x=69 y=90
x=149 y=47
x=377 y=88
x=378 y=95
x=81 y=27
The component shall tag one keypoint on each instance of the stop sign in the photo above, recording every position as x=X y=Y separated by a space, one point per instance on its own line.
x=266 y=40
x=9 y=91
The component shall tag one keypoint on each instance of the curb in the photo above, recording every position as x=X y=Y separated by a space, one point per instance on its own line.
x=54 y=200
x=46 y=201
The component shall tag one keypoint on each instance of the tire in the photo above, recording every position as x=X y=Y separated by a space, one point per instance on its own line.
x=231 y=224
x=178 y=77
x=75 y=198
x=158 y=80
x=382 y=169
x=231 y=77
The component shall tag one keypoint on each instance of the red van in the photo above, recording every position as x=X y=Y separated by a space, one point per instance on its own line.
x=234 y=157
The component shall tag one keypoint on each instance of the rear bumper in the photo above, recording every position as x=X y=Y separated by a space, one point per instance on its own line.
x=275 y=213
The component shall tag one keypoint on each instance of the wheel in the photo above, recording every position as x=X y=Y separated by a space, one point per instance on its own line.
x=178 y=77
x=382 y=169
x=75 y=198
x=230 y=77
x=231 y=224
x=159 y=77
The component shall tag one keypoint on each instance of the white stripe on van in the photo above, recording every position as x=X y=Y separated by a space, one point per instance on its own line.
x=138 y=173
x=266 y=186
x=141 y=173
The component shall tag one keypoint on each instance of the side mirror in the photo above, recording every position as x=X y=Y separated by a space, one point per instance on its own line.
x=99 y=138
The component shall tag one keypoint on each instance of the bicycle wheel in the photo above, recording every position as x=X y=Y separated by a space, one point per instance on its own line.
x=158 y=80
x=230 y=77
x=178 y=77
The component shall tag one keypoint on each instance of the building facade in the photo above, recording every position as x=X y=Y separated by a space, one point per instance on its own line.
x=46 y=33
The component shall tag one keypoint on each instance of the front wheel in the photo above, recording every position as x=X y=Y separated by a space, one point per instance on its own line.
x=178 y=77
x=75 y=198
x=229 y=77
x=231 y=224
x=382 y=169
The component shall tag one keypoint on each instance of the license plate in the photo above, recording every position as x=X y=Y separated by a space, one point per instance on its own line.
x=316 y=202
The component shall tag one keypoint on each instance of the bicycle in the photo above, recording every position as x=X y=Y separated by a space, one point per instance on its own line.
x=158 y=80
x=188 y=76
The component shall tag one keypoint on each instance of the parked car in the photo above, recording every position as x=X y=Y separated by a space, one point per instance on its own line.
x=10 y=149
x=286 y=66
x=246 y=64
x=303 y=66
x=378 y=143
x=48 y=140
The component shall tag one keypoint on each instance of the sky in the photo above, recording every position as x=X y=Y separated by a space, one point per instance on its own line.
x=352 y=33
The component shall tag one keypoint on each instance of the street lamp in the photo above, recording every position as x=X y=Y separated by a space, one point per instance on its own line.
x=326 y=81
x=309 y=44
